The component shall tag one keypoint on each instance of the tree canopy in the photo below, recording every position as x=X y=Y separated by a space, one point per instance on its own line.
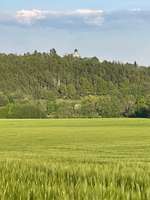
x=100 y=89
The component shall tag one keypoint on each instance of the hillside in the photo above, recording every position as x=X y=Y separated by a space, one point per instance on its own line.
x=46 y=77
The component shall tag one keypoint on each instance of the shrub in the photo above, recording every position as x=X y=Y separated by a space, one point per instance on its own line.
x=25 y=111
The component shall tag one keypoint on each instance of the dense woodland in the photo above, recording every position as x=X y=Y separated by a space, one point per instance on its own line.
x=41 y=85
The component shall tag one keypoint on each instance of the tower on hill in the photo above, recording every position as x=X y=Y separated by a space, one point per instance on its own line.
x=76 y=54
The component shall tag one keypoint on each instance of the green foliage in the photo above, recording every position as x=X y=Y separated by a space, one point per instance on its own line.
x=25 y=111
x=66 y=76
x=89 y=106
x=52 y=108
x=117 y=88
x=71 y=91
x=101 y=106
x=3 y=100
x=4 y=112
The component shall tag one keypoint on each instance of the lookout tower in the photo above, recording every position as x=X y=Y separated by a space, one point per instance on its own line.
x=76 y=54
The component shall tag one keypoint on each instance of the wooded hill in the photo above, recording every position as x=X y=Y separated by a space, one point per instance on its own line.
x=82 y=83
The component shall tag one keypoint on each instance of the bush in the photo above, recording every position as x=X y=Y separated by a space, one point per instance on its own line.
x=4 y=112
x=25 y=111
x=3 y=100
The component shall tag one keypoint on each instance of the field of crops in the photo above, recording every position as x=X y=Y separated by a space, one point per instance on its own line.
x=87 y=159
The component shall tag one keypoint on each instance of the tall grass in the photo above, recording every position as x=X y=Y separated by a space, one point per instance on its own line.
x=75 y=159
x=35 y=180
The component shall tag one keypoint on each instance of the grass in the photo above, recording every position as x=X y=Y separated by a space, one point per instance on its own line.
x=89 y=159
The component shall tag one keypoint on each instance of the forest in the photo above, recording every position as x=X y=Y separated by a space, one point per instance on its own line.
x=46 y=85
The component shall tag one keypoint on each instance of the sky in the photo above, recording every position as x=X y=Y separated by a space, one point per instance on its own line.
x=109 y=29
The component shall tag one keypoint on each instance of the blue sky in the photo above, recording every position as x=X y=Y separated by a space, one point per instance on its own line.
x=63 y=4
x=108 y=29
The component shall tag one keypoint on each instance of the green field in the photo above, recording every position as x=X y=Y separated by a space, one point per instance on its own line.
x=89 y=159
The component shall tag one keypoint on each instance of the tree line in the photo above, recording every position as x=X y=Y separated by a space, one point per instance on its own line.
x=40 y=85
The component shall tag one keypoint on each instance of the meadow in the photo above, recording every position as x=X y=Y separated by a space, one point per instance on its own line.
x=69 y=159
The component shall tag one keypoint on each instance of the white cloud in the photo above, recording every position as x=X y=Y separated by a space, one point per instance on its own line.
x=28 y=16
x=86 y=16
x=80 y=19
x=88 y=12
x=92 y=17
